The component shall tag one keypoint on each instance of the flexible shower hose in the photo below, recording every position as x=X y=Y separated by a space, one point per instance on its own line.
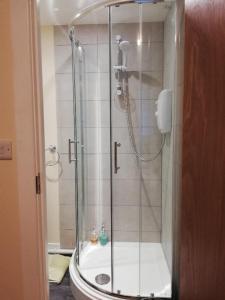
x=130 y=128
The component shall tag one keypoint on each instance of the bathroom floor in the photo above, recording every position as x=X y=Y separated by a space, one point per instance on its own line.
x=61 y=291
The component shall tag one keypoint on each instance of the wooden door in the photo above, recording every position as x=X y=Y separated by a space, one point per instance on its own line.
x=202 y=265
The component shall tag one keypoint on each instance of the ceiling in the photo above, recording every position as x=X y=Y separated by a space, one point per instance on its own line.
x=62 y=12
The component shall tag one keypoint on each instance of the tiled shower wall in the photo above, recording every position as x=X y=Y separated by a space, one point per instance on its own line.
x=136 y=201
x=137 y=186
x=65 y=121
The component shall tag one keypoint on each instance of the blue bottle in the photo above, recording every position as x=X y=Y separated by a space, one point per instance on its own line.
x=103 y=238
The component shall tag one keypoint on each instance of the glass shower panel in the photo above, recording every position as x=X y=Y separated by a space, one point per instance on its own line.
x=126 y=124
x=80 y=138
x=93 y=148
x=137 y=54
x=155 y=275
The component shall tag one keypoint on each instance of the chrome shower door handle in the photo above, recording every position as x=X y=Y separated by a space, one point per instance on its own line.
x=70 y=142
x=116 y=168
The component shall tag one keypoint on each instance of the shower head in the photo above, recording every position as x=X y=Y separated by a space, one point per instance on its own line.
x=124 y=45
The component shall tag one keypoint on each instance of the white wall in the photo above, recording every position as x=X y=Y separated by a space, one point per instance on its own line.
x=50 y=123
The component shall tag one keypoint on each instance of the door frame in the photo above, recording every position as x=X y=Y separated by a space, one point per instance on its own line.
x=29 y=146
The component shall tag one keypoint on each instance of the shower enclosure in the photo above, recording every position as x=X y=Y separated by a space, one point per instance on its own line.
x=123 y=56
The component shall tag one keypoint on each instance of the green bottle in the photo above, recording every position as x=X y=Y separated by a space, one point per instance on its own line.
x=103 y=238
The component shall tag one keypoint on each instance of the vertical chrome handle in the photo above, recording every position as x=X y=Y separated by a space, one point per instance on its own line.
x=116 y=168
x=70 y=142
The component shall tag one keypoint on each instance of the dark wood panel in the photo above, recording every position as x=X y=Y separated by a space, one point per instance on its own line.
x=202 y=264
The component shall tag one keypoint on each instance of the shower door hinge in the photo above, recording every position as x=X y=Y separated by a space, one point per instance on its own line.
x=38 y=184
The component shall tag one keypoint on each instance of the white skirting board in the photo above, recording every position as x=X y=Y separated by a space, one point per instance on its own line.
x=54 y=248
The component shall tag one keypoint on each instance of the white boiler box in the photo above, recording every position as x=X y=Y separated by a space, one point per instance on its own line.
x=164 y=111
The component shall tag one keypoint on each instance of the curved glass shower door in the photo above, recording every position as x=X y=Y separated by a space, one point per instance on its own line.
x=137 y=78
x=80 y=138
x=93 y=165
x=123 y=59
x=126 y=203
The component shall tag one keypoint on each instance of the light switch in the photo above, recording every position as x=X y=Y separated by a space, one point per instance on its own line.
x=5 y=150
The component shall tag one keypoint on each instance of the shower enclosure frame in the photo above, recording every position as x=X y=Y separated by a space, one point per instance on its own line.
x=175 y=268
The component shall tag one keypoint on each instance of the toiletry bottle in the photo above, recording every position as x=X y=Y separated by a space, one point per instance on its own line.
x=94 y=237
x=103 y=238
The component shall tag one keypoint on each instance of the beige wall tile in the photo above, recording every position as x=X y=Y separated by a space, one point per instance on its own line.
x=64 y=134
x=103 y=34
x=146 y=85
x=64 y=89
x=119 y=118
x=142 y=113
x=61 y=35
x=98 y=166
x=126 y=236
x=126 y=192
x=126 y=218
x=67 y=239
x=96 y=215
x=152 y=32
x=150 y=140
x=157 y=32
x=152 y=170
x=98 y=140
x=151 y=193
x=98 y=192
x=150 y=237
x=67 y=191
x=128 y=167
x=103 y=58
x=91 y=58
x=129 y=32
x=151 y=219
x=97 y=86
x=152 y=57
x=68 y=169
x=67 y=216
x=152 y=83
x=87 y=34
x=148 y=57
x=63 y=59
x=98 y=114
x=65 y=114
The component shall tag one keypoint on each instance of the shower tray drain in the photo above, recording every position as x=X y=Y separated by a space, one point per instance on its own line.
x=102 y=279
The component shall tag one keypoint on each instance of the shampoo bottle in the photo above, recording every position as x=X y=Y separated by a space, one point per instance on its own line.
x=103 y=238
x=94 y=237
